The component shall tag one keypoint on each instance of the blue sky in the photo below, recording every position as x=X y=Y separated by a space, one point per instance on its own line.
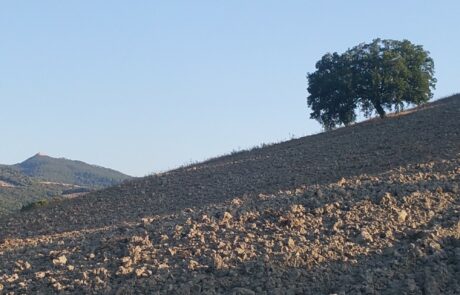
x=145 y=86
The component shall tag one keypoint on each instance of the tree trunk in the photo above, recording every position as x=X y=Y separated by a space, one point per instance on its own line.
x=380 y=110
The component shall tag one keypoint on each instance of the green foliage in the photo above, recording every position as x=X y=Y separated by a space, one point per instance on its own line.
x=41 y=203
x=12 y=176
x=36 y=204
x=382 y=75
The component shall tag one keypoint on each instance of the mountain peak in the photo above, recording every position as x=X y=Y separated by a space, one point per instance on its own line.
x=63 y=170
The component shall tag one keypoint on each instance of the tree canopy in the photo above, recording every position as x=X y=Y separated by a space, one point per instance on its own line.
x=375 y=77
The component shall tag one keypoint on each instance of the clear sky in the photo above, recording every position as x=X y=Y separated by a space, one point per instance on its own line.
x=145 y=86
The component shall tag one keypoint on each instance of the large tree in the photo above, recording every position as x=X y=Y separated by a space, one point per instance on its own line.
x=375 y=77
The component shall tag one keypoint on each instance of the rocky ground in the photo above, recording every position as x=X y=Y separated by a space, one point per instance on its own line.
x=369 y=209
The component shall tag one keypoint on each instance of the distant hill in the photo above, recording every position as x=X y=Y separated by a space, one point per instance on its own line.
x=69 y=171
x=11 y=177
x=18 y=190
x=42 y=178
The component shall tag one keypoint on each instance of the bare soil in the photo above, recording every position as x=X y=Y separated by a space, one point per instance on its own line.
x=369 y=209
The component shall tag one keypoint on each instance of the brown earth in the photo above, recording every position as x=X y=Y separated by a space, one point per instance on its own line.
x=369 y=209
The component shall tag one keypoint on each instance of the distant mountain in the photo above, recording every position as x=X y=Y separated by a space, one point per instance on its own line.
x=69 y=171
x=42 y=178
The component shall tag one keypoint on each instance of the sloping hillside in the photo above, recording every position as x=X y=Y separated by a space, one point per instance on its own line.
x=372 y=208
x=18 y=190
x=42 y=178
x=69 y=171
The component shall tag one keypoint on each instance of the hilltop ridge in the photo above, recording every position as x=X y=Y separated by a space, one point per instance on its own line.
x=41 y=178
x=370 y=208
x=69 y=171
